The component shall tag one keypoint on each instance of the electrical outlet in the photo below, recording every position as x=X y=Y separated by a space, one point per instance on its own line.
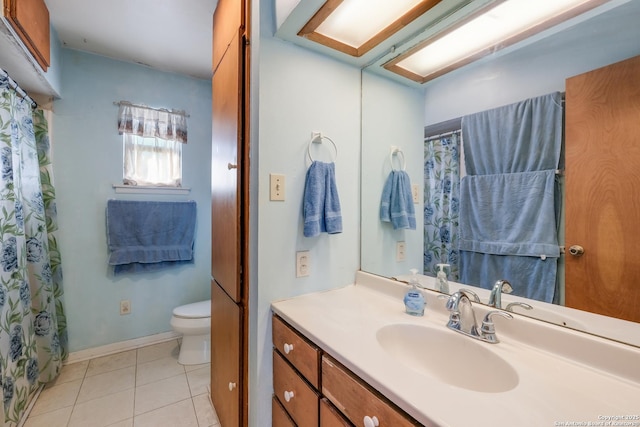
x=302 y=263
x=276 y=184
x=401 y=251
x=415 y=193
x=125 y=307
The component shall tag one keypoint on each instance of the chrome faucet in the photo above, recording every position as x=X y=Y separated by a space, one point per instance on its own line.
x=463 y=319
x=495 y=299
x=518 y=304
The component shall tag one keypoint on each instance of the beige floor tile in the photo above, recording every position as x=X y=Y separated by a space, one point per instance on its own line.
x=195 y=367
x=71 y=372
x=161 y=393
x=178 y=414
x=57 y=397
x=158 y=351
x=199 y=380
x=57 y=418
x=157 y=370
x=125 y=423
x=104 y=411
x=107 y=383
x=112 y=362
x=205 y=413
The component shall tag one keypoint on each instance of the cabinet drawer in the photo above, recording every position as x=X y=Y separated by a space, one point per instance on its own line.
x=356 y=400
x=303 y=403
x=330 y=416
x=279 y=417
x=298 y=351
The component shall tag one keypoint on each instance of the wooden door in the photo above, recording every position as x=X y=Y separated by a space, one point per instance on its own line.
x=226 y=168
x=603 y=190
x=226 y=357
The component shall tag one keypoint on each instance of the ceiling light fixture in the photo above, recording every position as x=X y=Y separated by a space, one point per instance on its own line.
x=357 y=26
x=499 y=25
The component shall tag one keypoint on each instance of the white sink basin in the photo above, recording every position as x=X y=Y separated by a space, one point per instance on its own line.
x=451 y=357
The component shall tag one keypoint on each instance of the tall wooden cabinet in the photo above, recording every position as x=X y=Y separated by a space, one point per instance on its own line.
x=230 y=212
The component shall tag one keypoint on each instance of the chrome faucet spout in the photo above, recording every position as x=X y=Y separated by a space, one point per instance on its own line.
x=462 y=318
x=495 y=299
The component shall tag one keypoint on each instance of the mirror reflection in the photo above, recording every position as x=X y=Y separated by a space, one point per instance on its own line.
x=397 y=116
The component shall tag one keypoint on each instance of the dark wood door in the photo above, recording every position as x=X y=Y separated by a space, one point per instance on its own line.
x=226 y=357
x=602 y=190
x=226 y=169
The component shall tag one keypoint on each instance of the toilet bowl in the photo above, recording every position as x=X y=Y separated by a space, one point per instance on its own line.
x=193 y=321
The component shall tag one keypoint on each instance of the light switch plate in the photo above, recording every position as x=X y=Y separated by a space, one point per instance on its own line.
x=276 y=185
x=415 y=193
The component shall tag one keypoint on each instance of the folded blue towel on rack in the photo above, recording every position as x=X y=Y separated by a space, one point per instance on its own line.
x=321 y=204
x=509 y=214
x=146 y=235
x=396 y=204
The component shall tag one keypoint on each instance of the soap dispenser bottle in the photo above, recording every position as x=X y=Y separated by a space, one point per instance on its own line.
x=414 y=300
x=442 y=284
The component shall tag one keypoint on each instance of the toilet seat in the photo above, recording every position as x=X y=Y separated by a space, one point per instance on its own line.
x=196 y=310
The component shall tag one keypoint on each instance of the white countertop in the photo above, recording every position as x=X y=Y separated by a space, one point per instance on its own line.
x=564 y=376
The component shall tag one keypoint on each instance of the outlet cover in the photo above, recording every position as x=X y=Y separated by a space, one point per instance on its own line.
x=415 y=193
x=401 y=251
x=125 y=307
x=302 y=263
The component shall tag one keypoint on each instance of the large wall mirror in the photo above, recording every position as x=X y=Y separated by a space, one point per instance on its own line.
x=396 y=114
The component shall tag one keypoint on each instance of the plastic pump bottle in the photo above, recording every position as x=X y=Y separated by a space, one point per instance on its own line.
x=414 y=300
x=442 y=284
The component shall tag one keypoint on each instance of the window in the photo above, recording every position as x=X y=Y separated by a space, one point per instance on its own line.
x=152 y=145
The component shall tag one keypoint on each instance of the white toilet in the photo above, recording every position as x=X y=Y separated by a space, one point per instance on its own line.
x=193 y=321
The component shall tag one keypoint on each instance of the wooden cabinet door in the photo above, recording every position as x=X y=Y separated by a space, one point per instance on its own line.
x=30 y=20
x=226 y=356
x=602 y=182
x=226 y=170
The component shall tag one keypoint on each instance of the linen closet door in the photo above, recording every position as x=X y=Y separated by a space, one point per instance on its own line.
x=602 y=190
x=229 y=213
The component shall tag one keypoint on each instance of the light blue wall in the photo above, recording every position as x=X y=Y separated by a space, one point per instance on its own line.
x=87 y=156
x=299 y=92
x=392 y=114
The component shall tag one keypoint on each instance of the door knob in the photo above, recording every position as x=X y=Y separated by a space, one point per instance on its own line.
x=576 y=250
x=231 y=166
x=288 y=395
x=288 y=348
x=232 y=386
x=371 y=421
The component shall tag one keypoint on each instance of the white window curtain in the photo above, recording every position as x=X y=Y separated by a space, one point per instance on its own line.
x=152 y=145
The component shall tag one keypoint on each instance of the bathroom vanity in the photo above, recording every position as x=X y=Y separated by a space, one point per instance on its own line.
x=352 y=355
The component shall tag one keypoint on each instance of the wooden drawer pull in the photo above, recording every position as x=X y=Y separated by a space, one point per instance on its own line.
x=288 y=348
x=371 y=421
x=288 y=395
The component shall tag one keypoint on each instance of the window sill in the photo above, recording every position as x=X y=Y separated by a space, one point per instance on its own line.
x=140 y=189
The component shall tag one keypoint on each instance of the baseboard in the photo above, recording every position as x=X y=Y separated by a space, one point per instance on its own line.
x=105 y=350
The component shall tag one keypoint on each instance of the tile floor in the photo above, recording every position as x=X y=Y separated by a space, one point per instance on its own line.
x=136 y=388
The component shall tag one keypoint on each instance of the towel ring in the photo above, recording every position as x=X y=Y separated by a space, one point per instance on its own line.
x=398 y=151
x=317 y=139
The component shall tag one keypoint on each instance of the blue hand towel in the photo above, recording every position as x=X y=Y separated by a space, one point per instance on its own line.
x=146 y=236
x=321 y=204
x=396 y=204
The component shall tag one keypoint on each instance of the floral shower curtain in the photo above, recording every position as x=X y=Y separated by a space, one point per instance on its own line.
x=32 y=322
x=441 y=203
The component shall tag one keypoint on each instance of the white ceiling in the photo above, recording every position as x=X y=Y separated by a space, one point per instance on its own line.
x=168 y=35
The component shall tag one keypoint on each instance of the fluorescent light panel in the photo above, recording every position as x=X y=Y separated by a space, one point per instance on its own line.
x=354 y=22
x=506 y=20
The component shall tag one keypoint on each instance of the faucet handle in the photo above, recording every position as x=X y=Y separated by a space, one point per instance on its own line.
x=488 y=330
x=518 y=304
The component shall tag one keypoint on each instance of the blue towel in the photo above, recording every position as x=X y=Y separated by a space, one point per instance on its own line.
x=321 y=204
x=147 y=236
x=509 y=214
x=396 y=204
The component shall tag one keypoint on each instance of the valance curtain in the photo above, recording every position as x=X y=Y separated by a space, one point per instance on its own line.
x=441 y=203
x=152 y=123
x=508 y=213
x=32 y=321
x=152 y=145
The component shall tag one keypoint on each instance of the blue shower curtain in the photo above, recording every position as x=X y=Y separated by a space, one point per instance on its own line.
x=32 y=322
x=441 y=203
